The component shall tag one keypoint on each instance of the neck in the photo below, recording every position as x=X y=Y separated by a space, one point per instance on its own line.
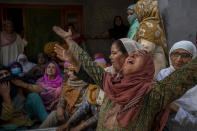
x=51 y=77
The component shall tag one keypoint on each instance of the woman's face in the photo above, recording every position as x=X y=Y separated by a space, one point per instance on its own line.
x=118 y=21
x=51 y=69
x=41 y=60
x=130 y=12
x=133 y=63
x=4 y=73
x=179 y=58
x=9 y=28
x=71 y=75
x=116 y=57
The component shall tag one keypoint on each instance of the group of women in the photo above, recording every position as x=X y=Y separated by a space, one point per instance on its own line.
x=137 y=92
x=134 y=99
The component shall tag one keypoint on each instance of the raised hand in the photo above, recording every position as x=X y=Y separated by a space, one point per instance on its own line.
x=5 y=91
x=62 y=33
x=64 y=127
x=62 y=54
x=60 y=114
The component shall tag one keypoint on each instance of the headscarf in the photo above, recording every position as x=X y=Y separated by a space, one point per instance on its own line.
x=5 y=38
x=129 y=91
x=49 y=47
x=131 y=45
x=27 y=66
x=151 y=24
x=131 y=7
x=52 y=83
x=15 y=63
x=186 y=45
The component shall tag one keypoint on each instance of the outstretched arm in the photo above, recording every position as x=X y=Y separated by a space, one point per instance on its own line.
x=92 y=69
x=175 y=85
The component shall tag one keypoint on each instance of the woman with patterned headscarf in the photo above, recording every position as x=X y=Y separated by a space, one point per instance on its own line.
x=151 y=33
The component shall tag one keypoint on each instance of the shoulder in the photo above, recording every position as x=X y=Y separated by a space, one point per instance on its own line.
x=164 y=73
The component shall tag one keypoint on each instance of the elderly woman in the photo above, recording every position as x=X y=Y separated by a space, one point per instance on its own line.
x=50 y=85
x=183 y=116
x=132 y=100
x=27 y=66
x=151 y=33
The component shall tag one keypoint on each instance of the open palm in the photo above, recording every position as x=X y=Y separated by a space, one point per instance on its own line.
x=62 y=33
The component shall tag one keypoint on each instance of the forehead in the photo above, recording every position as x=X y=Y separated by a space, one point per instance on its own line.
x=51 y=64
x=180 y=50
x=114 y=47
x=15 y=66
x=130 y=10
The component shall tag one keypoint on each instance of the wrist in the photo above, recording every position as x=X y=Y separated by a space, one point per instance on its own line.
x=83 y=125
x=7 y=99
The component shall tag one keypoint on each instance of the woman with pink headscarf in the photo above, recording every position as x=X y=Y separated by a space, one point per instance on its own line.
x=50 y=85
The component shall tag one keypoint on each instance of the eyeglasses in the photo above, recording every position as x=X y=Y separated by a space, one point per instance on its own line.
x=183 y=55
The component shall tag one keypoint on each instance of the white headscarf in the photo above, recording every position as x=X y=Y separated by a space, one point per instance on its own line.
x=27 y=66
x=186 y=45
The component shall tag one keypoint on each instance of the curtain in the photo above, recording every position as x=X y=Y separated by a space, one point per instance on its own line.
x=38 y=25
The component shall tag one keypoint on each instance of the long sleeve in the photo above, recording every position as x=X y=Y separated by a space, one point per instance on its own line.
x=82 y=75
x=33 y=88
x=185 y=119
x=174 y=86
x=61 y=101
x=93 y=70
x=82 y=112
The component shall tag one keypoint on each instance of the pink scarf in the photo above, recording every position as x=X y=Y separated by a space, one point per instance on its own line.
x=52 y=83
x=51 y=89
x=129 y=91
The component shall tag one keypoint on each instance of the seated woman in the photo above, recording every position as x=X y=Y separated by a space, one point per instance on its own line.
x=50 y=85
x=89 y=107
x=38 y=71
x=16 y=110
x=17 y=70
x=27 y=66
x=183 y=115
x=72 y=95
x=132 y=101
x=151 y=33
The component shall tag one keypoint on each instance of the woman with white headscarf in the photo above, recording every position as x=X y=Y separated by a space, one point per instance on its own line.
x=184 y=108
x=27 y=66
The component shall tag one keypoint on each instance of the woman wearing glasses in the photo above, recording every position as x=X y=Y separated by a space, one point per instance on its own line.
x=183 y=114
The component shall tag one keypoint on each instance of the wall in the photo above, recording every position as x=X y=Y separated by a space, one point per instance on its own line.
x=46 y=2
x=180 y=19
x=99 y=18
